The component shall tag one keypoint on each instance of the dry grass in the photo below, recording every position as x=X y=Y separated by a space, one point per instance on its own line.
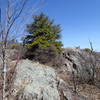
x=88 y=91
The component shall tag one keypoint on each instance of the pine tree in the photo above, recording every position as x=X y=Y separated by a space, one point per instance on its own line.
x=43 y=38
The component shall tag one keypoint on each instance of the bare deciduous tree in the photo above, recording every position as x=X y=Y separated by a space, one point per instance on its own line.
x=14 y=10
x=89 y=62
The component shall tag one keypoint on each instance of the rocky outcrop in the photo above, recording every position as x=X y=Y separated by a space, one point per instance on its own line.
x=80 y=61
x=34 y=81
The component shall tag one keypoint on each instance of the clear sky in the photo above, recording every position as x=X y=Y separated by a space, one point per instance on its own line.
x=79 y=19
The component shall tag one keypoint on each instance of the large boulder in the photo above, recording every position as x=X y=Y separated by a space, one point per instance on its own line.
x=34 y=81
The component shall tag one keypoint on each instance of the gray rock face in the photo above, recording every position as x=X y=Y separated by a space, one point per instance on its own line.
x=81 y=62
x=34 y=81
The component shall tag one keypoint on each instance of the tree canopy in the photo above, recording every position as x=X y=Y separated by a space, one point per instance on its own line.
x=43 y=35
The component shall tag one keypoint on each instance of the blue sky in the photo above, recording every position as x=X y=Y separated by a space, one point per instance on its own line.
x=79 y=19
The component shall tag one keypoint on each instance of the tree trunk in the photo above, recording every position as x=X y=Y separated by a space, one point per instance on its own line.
x=4 y=72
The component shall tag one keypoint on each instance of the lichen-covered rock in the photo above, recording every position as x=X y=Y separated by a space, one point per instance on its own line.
x=34 y=81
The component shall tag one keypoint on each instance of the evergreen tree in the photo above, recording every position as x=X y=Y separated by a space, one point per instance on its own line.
x=43 y=37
